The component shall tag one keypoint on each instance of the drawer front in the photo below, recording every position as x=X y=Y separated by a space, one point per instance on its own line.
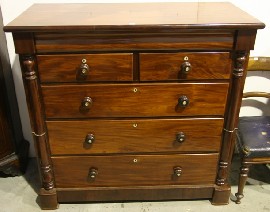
x=129 y=136
x=134 y=100
x=135 y=170
x=85 y=67
x=181 y=66
x=122 y=41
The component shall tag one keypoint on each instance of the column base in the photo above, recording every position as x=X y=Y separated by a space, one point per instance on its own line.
x=48 y=199
x=221 y=195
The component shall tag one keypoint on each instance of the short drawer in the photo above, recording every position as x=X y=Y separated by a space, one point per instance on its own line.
x=85 y=67
x=130 y=136
x=135 y=170
x=186 y=65
x=134 y=100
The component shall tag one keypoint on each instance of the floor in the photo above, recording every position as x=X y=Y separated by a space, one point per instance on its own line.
x=19 y=194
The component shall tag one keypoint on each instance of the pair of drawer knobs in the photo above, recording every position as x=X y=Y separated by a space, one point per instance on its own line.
x=87 y=102
x=84 y=68
x=93 y=173
x=90 y=138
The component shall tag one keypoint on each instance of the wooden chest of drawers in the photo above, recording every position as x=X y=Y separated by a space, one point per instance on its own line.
x=134 y=101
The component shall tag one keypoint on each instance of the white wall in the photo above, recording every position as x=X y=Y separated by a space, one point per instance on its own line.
x=12 y=8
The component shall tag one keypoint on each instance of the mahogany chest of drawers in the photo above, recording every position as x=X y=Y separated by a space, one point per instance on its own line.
x=134 y=101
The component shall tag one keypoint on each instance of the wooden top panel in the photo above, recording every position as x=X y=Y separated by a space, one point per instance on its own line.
x=133 y=16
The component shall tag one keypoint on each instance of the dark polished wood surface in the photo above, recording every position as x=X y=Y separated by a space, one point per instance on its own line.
x=153 y=74
x=135 y=193
x=136 y=100
x=136 y=135
x=102 y=67
x=127 y=170
x=204 y=65
x=133 y=16
x=138 y=40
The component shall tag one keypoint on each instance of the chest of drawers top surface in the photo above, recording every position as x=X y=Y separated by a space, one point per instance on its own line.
x=134 y=101
x=133 y=16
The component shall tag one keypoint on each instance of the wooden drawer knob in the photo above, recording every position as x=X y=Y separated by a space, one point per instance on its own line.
x=84 y=70
x=180 y=137
x=89 y=138
x=177 y=171
x=93 y=172
x=185 y=67
x=86 y=103
x=183 y=101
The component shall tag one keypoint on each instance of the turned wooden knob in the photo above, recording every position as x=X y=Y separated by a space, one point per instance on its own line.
x=93 y=172
x=177 y=171
x=84 y=70
x=180 y=137
x=89 y=138
x=183 y=101
x=86 y=103
x=185 y=67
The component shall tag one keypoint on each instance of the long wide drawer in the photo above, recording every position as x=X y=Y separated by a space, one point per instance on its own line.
x=185 y=65
x=130 y=136
x=134 y=100
x=131 y=170
x=81 y=42
x=85 y=67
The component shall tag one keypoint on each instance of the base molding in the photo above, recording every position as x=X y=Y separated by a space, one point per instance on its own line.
x=142 y=193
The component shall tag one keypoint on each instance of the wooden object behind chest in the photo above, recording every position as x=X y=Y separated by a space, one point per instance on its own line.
x=134 y=101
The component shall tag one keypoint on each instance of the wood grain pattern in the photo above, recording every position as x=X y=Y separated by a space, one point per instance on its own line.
x=135 y=193
x=64 y=101
x=102 y=67
x=24 y=43
x=130 y=136
x=123 y=41
x=167 y=66
x=96 y=17
x=121 y=170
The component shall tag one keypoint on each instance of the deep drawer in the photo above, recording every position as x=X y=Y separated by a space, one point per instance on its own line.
x=85 y=67
x=186 y=65
x=129 y=136
x=134 y=100
x=132 y=170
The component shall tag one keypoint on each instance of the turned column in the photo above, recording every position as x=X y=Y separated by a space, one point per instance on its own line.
x=222 y=191
x=47 y=193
